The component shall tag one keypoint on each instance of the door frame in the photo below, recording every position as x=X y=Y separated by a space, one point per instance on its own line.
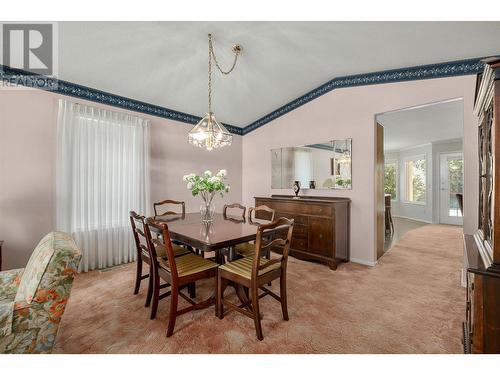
x=439 y=196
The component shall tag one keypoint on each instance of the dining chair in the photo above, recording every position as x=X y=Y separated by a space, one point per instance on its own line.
x=248 y=248
x=234 y=206
x=252 y=273
x=169 y=202
x=141 y=245
x=179 y=273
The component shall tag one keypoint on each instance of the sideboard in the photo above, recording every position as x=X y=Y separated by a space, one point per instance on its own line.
x=321 y=231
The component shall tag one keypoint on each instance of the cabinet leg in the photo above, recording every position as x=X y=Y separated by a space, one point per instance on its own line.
x=333 y=265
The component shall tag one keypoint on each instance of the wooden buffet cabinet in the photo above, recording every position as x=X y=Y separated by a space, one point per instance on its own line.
x=481 y=328
x=321 y=231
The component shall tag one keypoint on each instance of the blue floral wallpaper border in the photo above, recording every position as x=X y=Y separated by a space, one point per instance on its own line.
x=448 y=69
x=25 y=78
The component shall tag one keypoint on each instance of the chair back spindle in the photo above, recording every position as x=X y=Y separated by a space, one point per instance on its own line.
x=140 y=238
x=164 y=241
x=279 y=228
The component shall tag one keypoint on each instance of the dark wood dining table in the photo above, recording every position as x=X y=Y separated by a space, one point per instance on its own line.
x=224 y=232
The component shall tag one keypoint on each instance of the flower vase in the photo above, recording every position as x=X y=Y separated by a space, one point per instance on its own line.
x=207 y=210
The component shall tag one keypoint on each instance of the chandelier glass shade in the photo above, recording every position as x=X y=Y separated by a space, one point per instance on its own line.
x=209 y=133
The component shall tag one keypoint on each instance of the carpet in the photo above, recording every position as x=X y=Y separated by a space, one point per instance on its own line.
x=410 y=302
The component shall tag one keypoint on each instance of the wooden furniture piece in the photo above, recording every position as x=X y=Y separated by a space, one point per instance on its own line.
x=379 y=189
x=389 y=224
x=322 y=226
x=460 y=200
x=143 y=254
x=255 y=272
x=236 y=206
x=178 y=272
x=481 y=328
x=248 y=248
x=1 y=244
x=157 y=205
x=223 y=232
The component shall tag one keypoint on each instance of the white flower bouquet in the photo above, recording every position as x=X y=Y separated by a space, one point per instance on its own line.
x=207 y=185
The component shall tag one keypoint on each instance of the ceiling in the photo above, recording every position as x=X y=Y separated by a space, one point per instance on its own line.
x=165 y=63
x=425 y=124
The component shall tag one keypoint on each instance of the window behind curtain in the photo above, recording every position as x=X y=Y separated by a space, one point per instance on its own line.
x=102 y=174
x=415 y=180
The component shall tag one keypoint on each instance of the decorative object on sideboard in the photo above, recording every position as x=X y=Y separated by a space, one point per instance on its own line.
x=312 y=184
x=296 y=188
x=208 y=133
x=207 y=185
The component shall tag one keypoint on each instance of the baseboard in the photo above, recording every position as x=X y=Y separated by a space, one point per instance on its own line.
x=413 y=219
x=363 y=262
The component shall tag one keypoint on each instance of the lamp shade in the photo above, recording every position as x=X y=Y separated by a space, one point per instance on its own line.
x=209 y=134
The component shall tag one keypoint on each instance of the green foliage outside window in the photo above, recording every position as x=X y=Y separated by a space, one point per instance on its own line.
x=390 y=178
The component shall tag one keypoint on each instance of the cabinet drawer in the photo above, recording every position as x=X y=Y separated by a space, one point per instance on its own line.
x=320 y=239
x=298 y=219
x=299 y=230
x=299 y=243
x=305 y=208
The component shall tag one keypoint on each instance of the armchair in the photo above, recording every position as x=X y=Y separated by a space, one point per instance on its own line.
x=33 y=299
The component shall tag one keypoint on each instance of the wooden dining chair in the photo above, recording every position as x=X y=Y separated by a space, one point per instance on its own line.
x=234 y=206
x=143 y=254
x=169 y=202
x=252 y=273
x=179 y=273
x=248 y=248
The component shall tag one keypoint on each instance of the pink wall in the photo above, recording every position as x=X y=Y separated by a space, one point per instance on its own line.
x=350 y=113
x=27 y=167
x=27 y=172
x=27 y=156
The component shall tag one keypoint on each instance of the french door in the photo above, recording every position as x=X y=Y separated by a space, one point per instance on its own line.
x=451 y=184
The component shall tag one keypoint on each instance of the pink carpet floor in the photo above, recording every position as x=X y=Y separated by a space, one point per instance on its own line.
x=410 y=302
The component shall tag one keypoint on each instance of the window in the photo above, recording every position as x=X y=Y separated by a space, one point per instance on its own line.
x=391 y=179
x=102 y=174
x=415 y=180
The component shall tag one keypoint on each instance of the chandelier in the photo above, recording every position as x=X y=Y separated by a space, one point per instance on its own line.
x=209 y=133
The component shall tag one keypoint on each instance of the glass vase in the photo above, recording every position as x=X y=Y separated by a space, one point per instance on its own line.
x=207 y=211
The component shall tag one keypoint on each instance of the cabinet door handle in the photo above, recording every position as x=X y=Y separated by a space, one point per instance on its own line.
x=321 y=236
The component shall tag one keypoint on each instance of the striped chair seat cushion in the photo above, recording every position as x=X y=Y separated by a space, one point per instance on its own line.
x=189 y=264
x=161 y=251
x=245 y=249
x=243 y=267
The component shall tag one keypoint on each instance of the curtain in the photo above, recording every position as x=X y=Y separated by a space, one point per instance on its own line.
x=102 y=173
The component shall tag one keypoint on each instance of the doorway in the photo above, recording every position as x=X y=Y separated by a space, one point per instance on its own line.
x=419 y=169
x=451 y=168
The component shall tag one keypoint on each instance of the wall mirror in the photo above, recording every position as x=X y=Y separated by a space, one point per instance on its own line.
x=316 y=166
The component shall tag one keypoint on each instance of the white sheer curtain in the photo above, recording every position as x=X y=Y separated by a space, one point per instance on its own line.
x=102 y=174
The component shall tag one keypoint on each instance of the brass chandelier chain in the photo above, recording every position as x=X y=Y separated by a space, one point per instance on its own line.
x=211 y=55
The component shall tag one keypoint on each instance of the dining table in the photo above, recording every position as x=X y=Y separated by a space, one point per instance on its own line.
x=223 y=232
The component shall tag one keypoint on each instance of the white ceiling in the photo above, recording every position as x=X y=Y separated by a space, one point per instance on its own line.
x=425 y=124
x=165 y=63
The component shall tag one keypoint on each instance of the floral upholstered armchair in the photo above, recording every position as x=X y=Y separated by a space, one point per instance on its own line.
x=33 y=299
